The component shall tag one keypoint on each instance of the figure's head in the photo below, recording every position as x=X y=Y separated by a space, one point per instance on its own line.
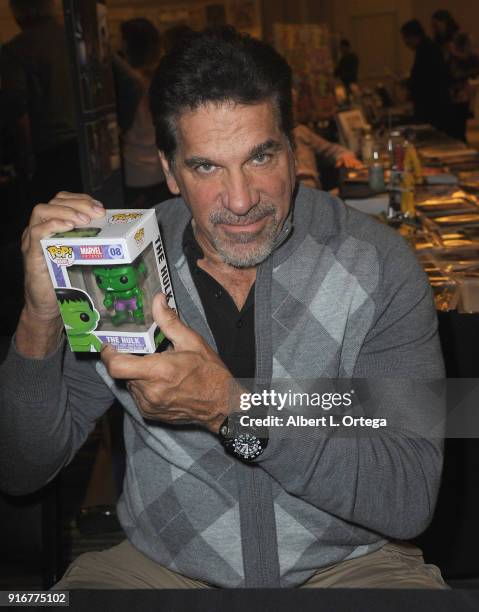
x=28 y=12
x=344 y=46
x=118 y=278
x=413 y=33
x=223 y=115
x=461 y=45
x=443 y=25
x=140 y=42
x=78 y=313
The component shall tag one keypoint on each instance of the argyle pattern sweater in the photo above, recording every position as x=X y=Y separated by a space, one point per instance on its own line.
x=341 y=296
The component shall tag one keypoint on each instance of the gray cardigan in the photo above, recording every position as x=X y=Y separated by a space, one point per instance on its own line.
x=342 y=296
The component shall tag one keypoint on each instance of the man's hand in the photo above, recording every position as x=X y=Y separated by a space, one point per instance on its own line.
x=40 y=324
x=189 y=384
x=63 y=213
x=348 y=160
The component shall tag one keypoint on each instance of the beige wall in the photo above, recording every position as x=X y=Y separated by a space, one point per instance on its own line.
x=371 y=24
x=119 y=10
x=294 y=11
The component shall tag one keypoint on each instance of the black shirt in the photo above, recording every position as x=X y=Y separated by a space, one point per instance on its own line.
x=232 y=329
x=347 y=69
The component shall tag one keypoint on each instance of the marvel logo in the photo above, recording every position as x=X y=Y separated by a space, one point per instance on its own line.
x=91 y=252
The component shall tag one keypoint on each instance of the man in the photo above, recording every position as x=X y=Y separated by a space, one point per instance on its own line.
x=35 y=77
x=312 y=150
x=348 y=65
x=311 y=147
x=463 y=66
x=144 y=179
x=270 y=285
x=429 y=81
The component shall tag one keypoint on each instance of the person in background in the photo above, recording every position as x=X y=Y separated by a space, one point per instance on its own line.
x=312 y=148
x=36 y=83
x=141 y=45
x=144 y=178
x=429 y=82
x=129 y=90
x=176 y=35
x=463 y=65
x=444 y=27
x=348 y=65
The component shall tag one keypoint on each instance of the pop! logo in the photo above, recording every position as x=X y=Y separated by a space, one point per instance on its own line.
x=61 y=255
x=140 y=236
x=124 y=217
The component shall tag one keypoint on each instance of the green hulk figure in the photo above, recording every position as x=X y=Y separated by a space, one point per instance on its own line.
x=80 y=318
x=120 y=285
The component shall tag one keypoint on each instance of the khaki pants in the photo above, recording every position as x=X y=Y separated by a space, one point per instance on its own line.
x=124 y=567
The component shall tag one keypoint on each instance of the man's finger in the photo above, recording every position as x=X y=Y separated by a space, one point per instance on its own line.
x=127 y=367
x=67 y=195
x=182 y=337
x=47 y=229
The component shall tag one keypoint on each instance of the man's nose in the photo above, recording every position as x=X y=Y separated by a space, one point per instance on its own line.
x=240 y=193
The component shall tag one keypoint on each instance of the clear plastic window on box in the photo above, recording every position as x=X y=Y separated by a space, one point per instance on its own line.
x=121 y=293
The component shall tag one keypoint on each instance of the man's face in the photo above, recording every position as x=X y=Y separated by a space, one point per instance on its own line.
x=438 y=26
x=235 y=169
x=411 y=41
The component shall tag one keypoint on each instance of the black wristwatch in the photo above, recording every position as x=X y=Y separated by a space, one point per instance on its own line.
x=244 y=442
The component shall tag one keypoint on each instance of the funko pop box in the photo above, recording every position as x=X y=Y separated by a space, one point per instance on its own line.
x=105 y=277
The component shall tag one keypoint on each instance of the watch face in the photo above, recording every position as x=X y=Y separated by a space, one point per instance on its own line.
x=247 y=446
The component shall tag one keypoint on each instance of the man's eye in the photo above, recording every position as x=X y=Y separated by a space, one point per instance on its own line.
x=261 y=159
x=205 y=168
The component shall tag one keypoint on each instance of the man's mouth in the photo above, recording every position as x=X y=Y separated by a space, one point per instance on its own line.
x=249 y=226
